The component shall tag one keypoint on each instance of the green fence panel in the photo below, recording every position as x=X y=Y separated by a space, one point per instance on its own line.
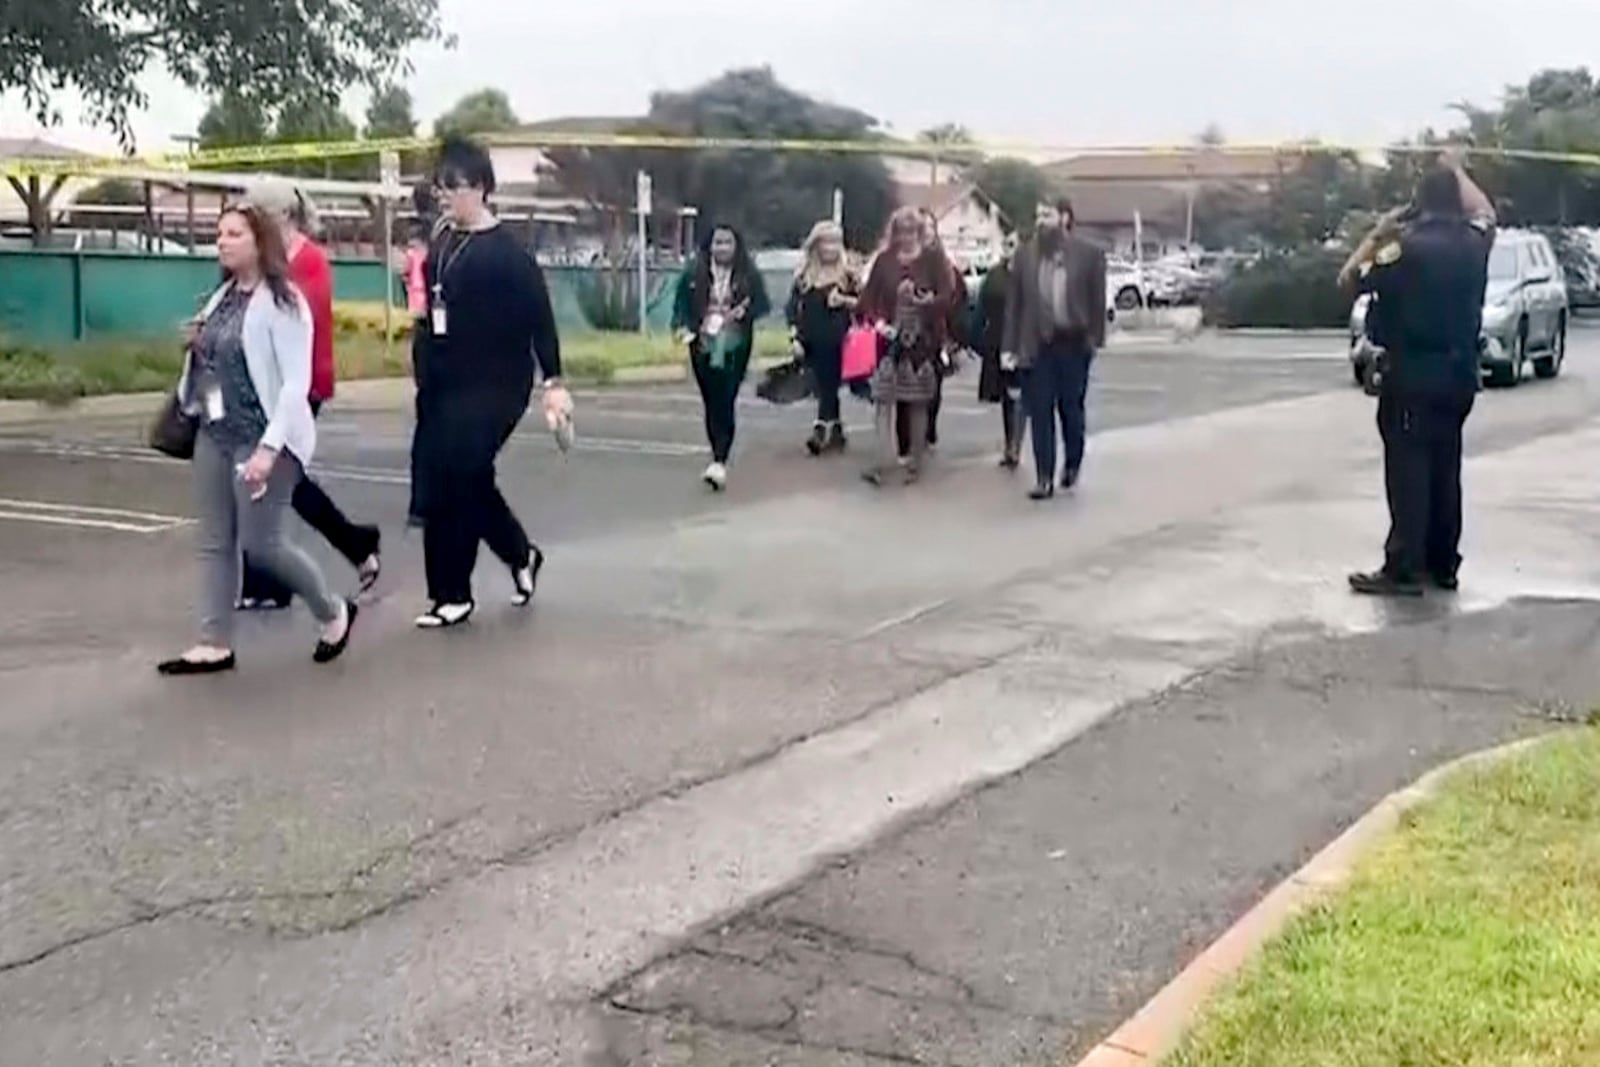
x=61 y=296
x=39 y=296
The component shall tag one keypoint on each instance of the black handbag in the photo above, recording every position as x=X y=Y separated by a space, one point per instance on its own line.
x=787 y=383
x=173 y=431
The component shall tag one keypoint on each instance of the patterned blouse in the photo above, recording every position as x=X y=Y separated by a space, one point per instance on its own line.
x=220 y=365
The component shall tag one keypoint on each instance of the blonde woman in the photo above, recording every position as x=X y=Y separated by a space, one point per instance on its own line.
x=819 y=312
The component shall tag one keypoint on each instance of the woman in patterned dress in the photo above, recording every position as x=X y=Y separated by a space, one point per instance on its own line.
x=908 y=298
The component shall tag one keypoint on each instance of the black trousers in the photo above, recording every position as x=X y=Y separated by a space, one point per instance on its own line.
x=1054 y=389
x=719 y=395
x=1422 y=480
x=1013 y=422
x=826 y=361
x=465 y=505
x=318 y=511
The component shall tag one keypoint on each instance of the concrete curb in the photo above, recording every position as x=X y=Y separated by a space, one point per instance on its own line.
x=1156 y=1029
x=1264 y=332
x=366 y=394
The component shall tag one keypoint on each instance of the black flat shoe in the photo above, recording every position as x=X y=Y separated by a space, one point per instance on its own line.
x=190 y=668
x=1042 y=491
x=1069 y=479
x=873 y=478
x=1010 y=463
x=527 y=579
x=1446 y=583
x=328 y=651
x=1384 y=584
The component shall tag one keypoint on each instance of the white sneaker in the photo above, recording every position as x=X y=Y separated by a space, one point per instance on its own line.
x=716 y=476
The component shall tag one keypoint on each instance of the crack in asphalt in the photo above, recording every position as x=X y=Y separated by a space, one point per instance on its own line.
x=146 y=913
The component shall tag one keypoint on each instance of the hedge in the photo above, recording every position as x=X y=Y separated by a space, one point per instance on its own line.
x=1295 y=290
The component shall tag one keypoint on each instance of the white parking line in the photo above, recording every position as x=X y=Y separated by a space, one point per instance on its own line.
x=89 y=517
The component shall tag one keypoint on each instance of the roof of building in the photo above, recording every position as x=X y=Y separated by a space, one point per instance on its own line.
x=1114 y=203
x=940 y=199
x=1205 y=164
x=581 y=124
x=35 y=148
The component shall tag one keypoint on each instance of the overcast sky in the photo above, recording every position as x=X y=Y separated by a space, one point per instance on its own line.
x=1063 y=72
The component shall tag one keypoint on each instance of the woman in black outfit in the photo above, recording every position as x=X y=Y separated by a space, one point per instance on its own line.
x=819 y=311
x=488 y=318
x=720 y=298
x=998 y=384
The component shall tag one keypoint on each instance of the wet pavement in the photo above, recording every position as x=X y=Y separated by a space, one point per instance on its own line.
x=718 y=786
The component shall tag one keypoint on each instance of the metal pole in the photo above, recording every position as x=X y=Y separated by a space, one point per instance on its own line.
x=643 y=208
x=388 y=289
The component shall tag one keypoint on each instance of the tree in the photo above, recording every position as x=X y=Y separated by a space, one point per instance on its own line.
x=485 y=111
x=318 y=119
x=1016 y=186
x=232 y=121
x=955 y=137
x=773 y=197
x=112 y=192
x=264 y=50
x=951 y=133
x=390 y=114
x=1211 y=137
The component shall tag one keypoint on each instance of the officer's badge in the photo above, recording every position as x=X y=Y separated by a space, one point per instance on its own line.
x=1388 y=255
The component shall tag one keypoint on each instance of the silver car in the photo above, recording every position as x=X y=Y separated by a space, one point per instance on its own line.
x=1524 y=314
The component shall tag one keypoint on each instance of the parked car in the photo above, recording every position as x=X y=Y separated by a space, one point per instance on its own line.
x=1126 y=287
x=1525 y=314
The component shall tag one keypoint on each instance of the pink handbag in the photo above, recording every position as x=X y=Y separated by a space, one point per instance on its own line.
x=860 y=354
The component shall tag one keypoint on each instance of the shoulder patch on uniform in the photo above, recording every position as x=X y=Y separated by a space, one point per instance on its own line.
x=1388 y=254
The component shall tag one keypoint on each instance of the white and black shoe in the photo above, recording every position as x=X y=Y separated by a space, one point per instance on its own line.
x=716 y=476
x=526 y=579
x=444 y=616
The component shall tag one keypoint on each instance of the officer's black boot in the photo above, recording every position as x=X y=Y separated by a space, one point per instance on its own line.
x=1384 y=583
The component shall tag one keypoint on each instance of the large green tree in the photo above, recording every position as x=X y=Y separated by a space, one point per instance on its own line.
x=1016 y=186
x=265 y=50
x=318 y=119
x=232 y=121
x=484 y=111
x=391 y=113
x=773 y=197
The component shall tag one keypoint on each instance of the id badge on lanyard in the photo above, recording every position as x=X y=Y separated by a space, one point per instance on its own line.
x=211 y=400
x=440 y=317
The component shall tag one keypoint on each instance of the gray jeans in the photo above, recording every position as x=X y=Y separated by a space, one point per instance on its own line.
x=231 y=523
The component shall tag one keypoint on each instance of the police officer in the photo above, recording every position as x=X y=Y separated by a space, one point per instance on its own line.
x=1427 y=282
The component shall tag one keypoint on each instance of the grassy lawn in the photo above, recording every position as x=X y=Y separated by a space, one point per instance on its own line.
x=63 y=373
x=1470 y=939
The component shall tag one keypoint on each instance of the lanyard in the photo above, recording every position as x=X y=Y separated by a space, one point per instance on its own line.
x=447 y=259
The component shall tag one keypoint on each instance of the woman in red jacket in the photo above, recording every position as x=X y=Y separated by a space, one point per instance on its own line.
x=312 y=274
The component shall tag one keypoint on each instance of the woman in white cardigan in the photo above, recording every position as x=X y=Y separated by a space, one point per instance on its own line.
x=247 y=381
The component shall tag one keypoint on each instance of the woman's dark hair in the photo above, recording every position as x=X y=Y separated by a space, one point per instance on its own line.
x=272 y=256
x=743 y=266
x=1439 y=193
x=1065 y=210
x=463 y=161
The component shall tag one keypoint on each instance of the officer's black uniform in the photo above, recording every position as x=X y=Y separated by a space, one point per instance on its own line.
x=1426 y=314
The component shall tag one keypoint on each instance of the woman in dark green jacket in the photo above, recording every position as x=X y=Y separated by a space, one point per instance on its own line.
x=720 y=299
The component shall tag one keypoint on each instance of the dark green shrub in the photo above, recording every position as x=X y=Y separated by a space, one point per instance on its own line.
x=609 y=299
x=1294 y=290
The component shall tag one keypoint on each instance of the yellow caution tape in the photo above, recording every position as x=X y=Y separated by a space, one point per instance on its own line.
x=254 y=155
